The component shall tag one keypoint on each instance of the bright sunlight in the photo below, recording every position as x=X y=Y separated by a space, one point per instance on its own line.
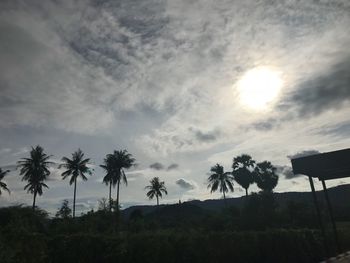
x=259 y=87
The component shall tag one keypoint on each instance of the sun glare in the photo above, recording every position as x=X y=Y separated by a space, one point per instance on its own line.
x=259 y=87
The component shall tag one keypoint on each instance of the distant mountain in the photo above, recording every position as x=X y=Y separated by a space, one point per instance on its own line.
x=339 y=197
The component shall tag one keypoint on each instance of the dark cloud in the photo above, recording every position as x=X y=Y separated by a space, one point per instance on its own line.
x=341 y=130
x=185 y=184
x=303 y=154
x=286 y=171
x=328 y=90
x=173 y=166
x=266 y=125
x=157 y=166
x=209 y=136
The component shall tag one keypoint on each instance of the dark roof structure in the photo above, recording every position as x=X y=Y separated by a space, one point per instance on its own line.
x=325 y=166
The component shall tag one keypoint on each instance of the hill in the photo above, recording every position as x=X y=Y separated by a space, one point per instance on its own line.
x=338 y=195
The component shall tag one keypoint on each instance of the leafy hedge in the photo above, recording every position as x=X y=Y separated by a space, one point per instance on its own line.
x=166 y=246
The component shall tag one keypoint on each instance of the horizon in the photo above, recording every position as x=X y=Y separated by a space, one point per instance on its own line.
x=181 y=86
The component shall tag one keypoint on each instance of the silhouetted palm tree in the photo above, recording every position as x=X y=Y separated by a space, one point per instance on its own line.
x=265 y=176
x=35 y=171
x=109 y=178
x=77 y=166
x=114 y=165
x=3 y=186
x=156 y=188
x=243 y=167
x=220 y=180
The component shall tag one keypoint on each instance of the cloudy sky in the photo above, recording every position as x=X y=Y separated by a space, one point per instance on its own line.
x=179 y=84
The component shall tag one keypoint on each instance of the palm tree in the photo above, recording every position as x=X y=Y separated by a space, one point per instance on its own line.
x=114 y=165
x=265 y=176
x=243 y=167
x=35 y=171
x=3 y=186
x=156 y=188
x=109 y=178
x=77 y=166
x=220 y=180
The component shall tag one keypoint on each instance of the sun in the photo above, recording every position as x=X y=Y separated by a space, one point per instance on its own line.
x=259 y=87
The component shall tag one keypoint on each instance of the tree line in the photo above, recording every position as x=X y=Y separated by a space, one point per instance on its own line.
x=35 y=171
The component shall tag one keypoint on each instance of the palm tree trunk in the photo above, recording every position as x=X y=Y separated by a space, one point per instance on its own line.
x=110 y=195
x=118 y=195
x=157 y=200
x=246 y=192
x=225 y=198
x=34 y=200
x=75 y=193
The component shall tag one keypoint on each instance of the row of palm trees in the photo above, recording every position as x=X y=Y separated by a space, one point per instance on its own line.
x=245 y=171
x=35 y=171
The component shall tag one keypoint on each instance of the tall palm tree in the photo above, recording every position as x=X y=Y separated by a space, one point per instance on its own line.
x=220 y=180
x=243 y=167
x=265 y=176
x=35 y=171
x=156 y=188
x=77 y=166
x=114 y=165
x=109 y=178
x=3 y=186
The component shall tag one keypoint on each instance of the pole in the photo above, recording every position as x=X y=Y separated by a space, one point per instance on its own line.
x=331 y=216
x=319 y=215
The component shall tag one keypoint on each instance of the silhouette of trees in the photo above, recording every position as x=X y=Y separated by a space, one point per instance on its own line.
x=156 y=188
x=220 y=180
x=114 y=165
x=3 y=186
x=77 y=166
x=265 y=176
x=243 y=167
x=103 y=204
x=35 y=171
x=109 y=178
x=64 y=212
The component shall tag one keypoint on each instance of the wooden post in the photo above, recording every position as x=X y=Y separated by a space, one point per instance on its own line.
x=331 y=216
x=319 y=215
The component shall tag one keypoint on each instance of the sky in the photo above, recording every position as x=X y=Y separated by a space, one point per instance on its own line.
x=167 y=80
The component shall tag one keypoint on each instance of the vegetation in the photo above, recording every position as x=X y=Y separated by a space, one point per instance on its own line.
x=156 y=188
x=265 y=176
x=114 y=165
x=35 y=171
x=3 y=186
x=77 y=166
x=64 y=212
x=220 y=180
x=260 y=229
x=243 y=173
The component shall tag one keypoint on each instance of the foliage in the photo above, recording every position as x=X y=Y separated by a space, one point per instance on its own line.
x=220 y=180
x=75 y=167
x=265 y=176
x=64 y=212
x=243 y=167
x=114 y=165
x=3 y=186
x=156 y=188
x=35 y=171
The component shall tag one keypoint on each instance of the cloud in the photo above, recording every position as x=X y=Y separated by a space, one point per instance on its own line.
x=185 y=184
x=327 y=89
x=286 y=171
x=157 y=166
x=206 y=136
x=173 y=166
x=303 y=154
x=341 y=130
